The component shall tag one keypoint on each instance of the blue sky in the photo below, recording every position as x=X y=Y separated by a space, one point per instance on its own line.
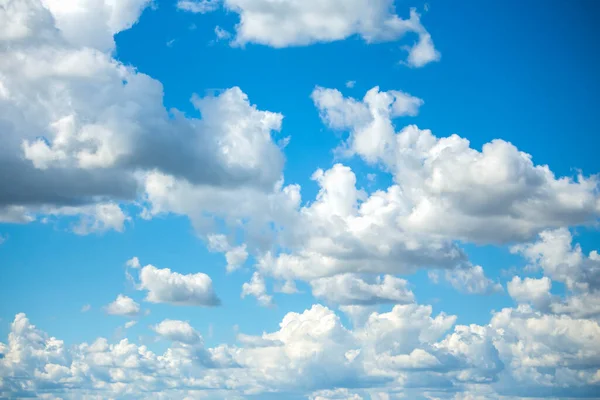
x=139 y=147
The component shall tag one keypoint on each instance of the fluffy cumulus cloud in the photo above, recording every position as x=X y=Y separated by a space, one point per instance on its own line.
x=123 y=305
x=531 y=290
x=346 y=230
x=407 y=351
x=177 y=331
x=235 y=256
x=446 y=188
x=166 y=286
x=81 y=130
x=256 y=287
x=563 y=261
x=299 y=23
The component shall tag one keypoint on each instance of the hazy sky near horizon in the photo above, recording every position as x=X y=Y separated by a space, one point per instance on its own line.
x=286 y=199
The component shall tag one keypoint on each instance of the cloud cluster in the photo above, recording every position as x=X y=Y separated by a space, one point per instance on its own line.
x=81 y=130
x=406 y=351
x=83 y=136
x=448 y=189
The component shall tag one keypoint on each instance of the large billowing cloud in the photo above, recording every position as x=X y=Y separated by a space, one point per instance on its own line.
x=78 y=129
x=449 y=189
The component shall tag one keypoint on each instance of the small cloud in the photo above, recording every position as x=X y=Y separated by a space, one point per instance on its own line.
x=124 y=306
x=434 y=276
x=3 y=239
x=426 y=7
x=171 y=42
x=129 y=324
x=350 y=84
x=289 y=287
x=133 y=263
x=86 y=308
x=221 y=33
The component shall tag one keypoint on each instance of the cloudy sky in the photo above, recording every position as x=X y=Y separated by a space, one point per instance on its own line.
x=299 y=199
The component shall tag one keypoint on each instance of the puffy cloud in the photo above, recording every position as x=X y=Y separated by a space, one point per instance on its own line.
x=408 y=350
x=531 y=290
x=257 y=288
x=345 y=230
x=78 y=154
x=547 y=353
x=93 y=23
x=312 y=21
x=177 y=331
x=235 y=256
x=133 y=262
x=165 y=286
x=582 y=305
x=349 y=289
x=450 y=190
x=562 y=261
x=423 y=52
x=123 y=305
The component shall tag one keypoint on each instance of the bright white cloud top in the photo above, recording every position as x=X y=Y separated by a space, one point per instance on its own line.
x=89 y=139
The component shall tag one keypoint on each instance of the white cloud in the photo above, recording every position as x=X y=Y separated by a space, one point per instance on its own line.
x=531 y=290
x=84 y=129
x=347 y=231
x=350 y=84
x=133 y=262
x=235 y=256
x=198 y=6
x=123 y=305
x=408 y=350
x=422 y=52
x=165 y=286
x=86 y=308
x=495 y=195
x=349 y=289
x=300 y=23
x=288 y=287
x=221 y=33
x=257 y=288
x=562 y=261
x=94 y=22
x=130 y=324
x=177 y=331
